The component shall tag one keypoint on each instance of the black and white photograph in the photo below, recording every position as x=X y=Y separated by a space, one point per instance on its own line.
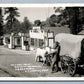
x=42 y=41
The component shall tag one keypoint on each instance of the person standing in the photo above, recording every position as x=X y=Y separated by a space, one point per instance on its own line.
x=55 y=58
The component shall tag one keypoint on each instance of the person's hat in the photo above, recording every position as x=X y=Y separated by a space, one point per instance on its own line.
x=57 y=43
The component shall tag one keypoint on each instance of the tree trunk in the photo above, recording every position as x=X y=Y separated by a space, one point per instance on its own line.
x=73 y=16
x=1 y=22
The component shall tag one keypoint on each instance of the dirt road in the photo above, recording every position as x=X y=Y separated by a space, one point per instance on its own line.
x=21 y=63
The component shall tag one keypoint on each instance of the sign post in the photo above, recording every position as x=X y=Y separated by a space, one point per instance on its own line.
x=50 y=39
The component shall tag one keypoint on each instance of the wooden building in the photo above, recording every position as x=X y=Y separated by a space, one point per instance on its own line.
x=40 y=38
x=37 y=37
x=17 y=40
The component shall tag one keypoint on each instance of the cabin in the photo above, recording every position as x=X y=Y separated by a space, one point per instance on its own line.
x=40 y=38
x=16 y=40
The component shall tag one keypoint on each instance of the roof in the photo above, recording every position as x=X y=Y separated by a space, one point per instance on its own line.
x=17 y=34
x=6 y=35
x=57 y=30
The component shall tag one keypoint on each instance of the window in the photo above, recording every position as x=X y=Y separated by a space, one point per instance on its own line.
x=26 y=43
x=40 y=42
x=7 y=40
x=32 y=41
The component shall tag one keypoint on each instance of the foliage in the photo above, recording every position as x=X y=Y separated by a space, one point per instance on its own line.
x=37 y=23
x=53 y=20
x=72 y=16
x=43 y=24
x=73 y=13
x=25 y=25
x=47 y=22
x=11 y=18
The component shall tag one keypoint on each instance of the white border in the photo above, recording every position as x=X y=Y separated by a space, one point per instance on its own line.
x=42 y=78
x=42 y=5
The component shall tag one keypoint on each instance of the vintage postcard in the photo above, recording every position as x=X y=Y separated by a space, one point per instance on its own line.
x=42 y=42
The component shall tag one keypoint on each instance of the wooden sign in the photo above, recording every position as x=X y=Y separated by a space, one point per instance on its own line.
x=50 y=34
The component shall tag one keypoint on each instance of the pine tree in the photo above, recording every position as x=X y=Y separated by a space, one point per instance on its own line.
x=11 y=18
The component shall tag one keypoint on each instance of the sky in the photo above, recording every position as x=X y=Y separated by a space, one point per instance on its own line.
x=34 y=13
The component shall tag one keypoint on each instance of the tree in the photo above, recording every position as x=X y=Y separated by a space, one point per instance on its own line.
x=25 y=25
x=62 y=16
x=37 y=23
x=43 y=24
x=1 y=22
x=17 y=26
x=73 y=13
x=11 y=18
x=47 y=22
x=52 y=20
x=70 y=15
